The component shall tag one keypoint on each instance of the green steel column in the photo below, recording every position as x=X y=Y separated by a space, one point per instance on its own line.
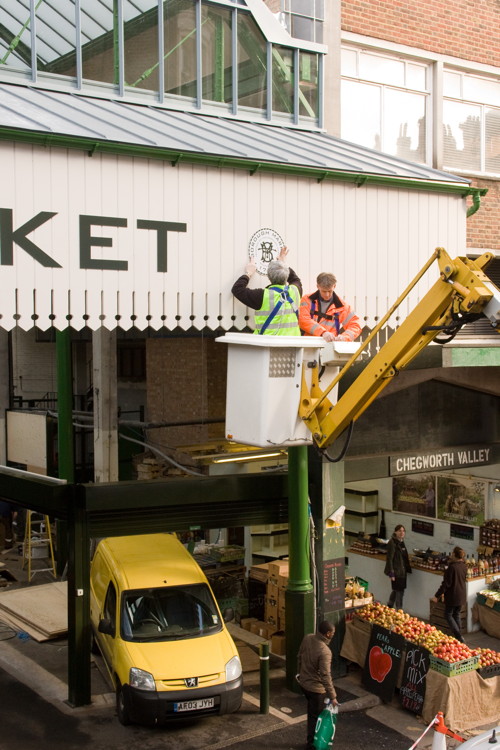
x=299 y=597
x=65 y=437
x=79 y=630
x=326 y=492
x=65 y=440
x=219 y=73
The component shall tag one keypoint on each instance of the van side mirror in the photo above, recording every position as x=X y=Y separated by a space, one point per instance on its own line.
x=228 y=614
x=106 y=627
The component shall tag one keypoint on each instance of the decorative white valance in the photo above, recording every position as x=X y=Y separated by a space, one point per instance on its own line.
x=107 y=240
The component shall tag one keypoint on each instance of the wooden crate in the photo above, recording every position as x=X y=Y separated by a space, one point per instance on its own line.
x=437 y=618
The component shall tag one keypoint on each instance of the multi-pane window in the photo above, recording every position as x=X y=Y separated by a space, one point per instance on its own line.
x=471 y=122
x=384 y=103
x=304 y=18
x=191 y=53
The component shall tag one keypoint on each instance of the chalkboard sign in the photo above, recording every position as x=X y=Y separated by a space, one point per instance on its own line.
x=333 y=584
x=461 y=532
x=383 y=660
x=416 y=666
x=422 y=527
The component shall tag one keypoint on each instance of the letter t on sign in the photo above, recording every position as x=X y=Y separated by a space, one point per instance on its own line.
x=162 y=228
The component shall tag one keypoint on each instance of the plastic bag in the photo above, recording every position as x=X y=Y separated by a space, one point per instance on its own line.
x=325 y=727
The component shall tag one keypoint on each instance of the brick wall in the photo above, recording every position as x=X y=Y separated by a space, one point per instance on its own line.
x=273 y=5
x=482 y=227
x=462 y=28
x=186 y=381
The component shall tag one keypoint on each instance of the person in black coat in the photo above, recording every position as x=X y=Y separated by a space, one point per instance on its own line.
x=397 y=566
x=454 y=591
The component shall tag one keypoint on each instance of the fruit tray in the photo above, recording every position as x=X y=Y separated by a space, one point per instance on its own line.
x=492 y=670
x=452 y=669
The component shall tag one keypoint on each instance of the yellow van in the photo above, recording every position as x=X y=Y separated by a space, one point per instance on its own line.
x=160 y=631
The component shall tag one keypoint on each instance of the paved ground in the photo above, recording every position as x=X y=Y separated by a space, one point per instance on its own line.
x=35 y=715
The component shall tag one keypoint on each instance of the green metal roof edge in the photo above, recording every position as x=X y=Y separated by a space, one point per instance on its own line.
x=176 y=156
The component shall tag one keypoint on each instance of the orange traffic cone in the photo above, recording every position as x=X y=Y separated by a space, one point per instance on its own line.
x=440 y=731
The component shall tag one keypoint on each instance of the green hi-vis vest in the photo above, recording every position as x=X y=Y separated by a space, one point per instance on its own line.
x=278 y=315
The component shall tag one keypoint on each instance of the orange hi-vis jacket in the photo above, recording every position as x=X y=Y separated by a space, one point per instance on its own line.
x=339 y=319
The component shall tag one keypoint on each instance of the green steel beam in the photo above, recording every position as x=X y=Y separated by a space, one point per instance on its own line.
x=477 y=356
x=222 y=162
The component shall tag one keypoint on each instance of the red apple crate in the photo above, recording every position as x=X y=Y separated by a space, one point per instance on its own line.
x=451 y=669
x=491 y=670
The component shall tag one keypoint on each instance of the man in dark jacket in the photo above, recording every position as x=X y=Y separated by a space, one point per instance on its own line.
x=397 y=566
x=453 y=589
x=315 y=674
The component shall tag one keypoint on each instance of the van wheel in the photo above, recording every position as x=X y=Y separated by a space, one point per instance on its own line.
x=121 y=709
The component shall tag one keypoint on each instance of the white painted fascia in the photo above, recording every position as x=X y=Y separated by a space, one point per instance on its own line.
x=417 y=53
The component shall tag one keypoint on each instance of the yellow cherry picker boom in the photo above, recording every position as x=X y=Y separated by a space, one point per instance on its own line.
x=463 y=293
x=281 y=393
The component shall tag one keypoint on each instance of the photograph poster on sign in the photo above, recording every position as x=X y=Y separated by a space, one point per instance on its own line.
x=414 y=494
x=462 y=499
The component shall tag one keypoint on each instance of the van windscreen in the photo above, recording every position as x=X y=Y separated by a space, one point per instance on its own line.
x=169 y=613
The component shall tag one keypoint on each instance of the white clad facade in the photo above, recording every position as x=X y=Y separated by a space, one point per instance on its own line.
x=178 y=270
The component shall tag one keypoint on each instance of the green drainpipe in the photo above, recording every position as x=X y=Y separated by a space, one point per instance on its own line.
x=476 y=200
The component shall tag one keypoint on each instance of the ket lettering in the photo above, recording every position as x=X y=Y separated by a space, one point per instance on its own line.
x=10 y=237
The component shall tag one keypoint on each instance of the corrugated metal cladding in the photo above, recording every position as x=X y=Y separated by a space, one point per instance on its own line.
x=56 y=113
x=65 y=213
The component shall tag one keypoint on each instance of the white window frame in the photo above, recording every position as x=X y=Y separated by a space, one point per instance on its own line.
x=383 y=87
x=438 y=62
x=461 y=99
x=287 y=14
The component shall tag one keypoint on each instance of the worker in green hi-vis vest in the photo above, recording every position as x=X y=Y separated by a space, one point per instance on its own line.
x=276 y=305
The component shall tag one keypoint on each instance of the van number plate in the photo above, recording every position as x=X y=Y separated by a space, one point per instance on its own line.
x=194 y=705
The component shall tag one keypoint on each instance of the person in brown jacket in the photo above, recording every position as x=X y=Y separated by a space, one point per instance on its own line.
x=315 y=674
x=453 y=590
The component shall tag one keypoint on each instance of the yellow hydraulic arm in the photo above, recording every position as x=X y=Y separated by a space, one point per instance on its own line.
x=462 y=292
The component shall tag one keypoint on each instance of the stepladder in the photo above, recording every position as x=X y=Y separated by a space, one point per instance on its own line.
x=38 y=549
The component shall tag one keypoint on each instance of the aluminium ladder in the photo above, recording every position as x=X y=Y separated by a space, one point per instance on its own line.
x=38 y=544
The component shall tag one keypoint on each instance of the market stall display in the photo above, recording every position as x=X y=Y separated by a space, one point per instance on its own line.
x=457 y=676
x=487 y=608
x=421 y=584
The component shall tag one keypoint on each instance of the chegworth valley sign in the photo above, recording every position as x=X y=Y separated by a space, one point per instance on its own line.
x=443 y=459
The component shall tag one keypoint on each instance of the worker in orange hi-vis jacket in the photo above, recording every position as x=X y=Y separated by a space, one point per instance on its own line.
x=324 y=314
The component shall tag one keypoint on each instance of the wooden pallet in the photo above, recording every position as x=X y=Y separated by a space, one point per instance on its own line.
x=437 y=618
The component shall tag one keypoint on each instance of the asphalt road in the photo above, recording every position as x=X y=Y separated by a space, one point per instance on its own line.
x=31 y=723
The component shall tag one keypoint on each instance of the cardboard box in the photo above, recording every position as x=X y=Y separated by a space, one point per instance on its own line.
x=278 y=643
x=259 y=572
x=281 y=618
x=258 y=628
x=270 y=629
x=283 y=580
x=272 y=591
x=246 y=622
x=281 y=598
x=277 y=568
